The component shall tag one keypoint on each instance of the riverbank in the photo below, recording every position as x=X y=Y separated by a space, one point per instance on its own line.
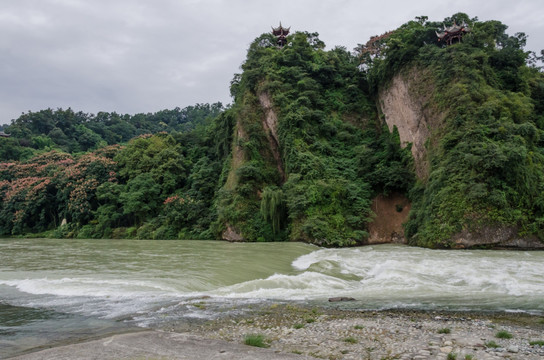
x=293 y=331
x=329 y=333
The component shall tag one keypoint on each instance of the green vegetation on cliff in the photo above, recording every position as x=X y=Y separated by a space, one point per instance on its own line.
x=301 y=152
x=333 y=155
x=487 y=159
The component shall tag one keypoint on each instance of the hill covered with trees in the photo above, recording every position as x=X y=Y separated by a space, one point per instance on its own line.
x=312 y=142
x=75 y=132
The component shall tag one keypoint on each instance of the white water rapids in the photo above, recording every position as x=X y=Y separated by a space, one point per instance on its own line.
x=51 y=286
x=92 y=280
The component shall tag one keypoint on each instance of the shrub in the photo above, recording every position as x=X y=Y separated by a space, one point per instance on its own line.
x=491 y=344
x=257 y=340
x=503 y=334
x=145 y=232
x=444 y=331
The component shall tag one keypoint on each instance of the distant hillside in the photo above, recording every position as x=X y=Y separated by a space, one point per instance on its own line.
x=406 y=139
x=74 y=132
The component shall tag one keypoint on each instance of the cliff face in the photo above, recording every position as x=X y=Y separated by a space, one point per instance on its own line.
x=391 y=212
x=256 y=119
x=270 y=125
x=238 y=155
x=506 y=237
x=312 y=159
x=231 y=233
x=308 y=156
x=406 y=103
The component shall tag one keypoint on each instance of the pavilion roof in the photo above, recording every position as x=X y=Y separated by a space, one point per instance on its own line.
x=454 y=31
x=280 y=30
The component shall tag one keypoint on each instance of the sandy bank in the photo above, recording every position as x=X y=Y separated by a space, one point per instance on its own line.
x=157 y=345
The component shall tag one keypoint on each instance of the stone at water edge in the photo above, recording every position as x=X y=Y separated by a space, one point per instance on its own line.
x=341 y=298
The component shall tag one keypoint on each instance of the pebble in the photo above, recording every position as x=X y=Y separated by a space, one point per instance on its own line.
x=513 y=349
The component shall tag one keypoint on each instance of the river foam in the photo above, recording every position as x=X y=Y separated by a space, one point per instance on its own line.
x=394 y=276
x=378 y=277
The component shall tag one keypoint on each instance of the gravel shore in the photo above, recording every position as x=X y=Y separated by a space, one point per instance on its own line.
x=328 y=333
x=298 y=331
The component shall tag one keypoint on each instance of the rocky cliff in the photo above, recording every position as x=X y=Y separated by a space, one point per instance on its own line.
x=390 y=213
x=270 y=126
x=321 y=142
x=501 y=237
x=407 y=104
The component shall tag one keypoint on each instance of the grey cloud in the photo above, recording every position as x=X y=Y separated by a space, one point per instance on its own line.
x=135 y=56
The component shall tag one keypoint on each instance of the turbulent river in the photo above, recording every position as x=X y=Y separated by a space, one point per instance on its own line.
x=62 y=290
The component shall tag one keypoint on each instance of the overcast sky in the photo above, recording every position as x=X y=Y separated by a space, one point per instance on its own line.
x=133 y=56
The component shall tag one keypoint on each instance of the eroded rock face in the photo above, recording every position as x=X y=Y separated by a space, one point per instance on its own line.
x=238 y=156
x=407 y=104
x=391 y=212
x=230 y=234
x=495 y=237
x=270 y=125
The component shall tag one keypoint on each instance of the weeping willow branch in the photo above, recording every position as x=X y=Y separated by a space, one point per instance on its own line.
x=273 y=207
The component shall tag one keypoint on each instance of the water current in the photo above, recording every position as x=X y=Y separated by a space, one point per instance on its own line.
x=64 y=290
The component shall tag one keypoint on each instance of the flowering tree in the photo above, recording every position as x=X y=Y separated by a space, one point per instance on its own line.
x=37 y=194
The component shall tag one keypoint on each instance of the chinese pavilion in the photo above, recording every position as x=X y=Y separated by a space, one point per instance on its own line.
x=281 y=34
x=452 y=34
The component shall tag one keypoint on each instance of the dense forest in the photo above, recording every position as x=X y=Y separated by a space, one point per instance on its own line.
x=302 y=151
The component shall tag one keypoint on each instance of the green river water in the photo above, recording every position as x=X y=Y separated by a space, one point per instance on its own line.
x=62 y=290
